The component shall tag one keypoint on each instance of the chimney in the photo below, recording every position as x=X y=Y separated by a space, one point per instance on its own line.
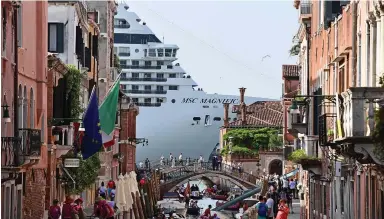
x=242 y=106
x=226 y=108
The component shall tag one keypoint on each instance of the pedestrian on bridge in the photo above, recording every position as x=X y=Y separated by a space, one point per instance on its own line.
x=200 y=160
x=173 y=162
x=181 y=159
x=147 y=164
x=219 y=161
x=214 y=162
x=162 y=160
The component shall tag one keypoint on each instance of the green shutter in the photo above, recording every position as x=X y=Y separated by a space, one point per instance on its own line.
x=60 y=37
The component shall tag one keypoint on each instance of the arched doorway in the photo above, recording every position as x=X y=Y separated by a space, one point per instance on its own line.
x=276 y=166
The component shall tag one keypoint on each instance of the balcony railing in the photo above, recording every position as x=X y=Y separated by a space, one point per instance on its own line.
x=122 y=26
x=149 y=104
x=124 y=54
x=146 y=91
x=139 y=67
x=30 y=142
x=9 y=151
x=326 y=130
x=144 y=79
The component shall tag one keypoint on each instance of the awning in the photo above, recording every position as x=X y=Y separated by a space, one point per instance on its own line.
x=290 y=174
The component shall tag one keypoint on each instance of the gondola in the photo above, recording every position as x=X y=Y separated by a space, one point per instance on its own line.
x=193 y=211
x=234 y=207
x=219 y=197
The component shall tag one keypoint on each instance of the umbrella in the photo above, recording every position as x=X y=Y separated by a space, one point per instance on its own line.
x=128 y=190
x=119 y=196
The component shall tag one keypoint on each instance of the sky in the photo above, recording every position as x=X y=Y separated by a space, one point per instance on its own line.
x=222 y=43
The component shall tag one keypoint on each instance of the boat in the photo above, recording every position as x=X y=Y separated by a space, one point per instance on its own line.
x=168 y=98
x=196 y=195
x=234 y=207
x=219 y=197
x=193 y=211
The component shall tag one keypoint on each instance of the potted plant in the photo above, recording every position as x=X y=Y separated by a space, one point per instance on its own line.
x=331 y=135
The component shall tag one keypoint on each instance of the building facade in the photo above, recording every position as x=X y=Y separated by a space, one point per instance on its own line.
x=341 y=56
x=24 y=139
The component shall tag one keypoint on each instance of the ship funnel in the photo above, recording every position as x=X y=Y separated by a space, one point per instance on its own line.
x=242 y=105
x=226 y=120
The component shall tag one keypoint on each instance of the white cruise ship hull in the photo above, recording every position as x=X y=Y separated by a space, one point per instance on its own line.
x=169 y=128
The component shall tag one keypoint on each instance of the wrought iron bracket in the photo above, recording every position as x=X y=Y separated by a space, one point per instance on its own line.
x=61 y=121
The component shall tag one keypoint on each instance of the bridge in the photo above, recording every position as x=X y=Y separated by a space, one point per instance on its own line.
x=172 y=176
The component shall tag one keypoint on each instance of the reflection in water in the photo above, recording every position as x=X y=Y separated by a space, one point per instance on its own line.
x=203 y=203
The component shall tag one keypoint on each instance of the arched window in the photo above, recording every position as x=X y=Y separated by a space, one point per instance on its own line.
x=31 y=109
x=25 y=107
x=20 y=107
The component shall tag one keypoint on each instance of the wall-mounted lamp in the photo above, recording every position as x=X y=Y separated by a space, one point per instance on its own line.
x=56 y=131
x=81 y=128
x=5 y=117
x=294 y=109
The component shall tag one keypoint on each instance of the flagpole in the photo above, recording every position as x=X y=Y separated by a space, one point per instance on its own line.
x=109 y=90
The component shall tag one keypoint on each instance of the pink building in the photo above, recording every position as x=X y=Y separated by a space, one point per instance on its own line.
x=23 y=139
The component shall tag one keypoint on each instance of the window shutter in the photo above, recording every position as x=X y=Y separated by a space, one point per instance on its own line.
x=78 y=40
x=88 y=58
x=60 y=37
x=95 y=46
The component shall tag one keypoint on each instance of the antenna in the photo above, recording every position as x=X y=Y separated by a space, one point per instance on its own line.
x=163 y=38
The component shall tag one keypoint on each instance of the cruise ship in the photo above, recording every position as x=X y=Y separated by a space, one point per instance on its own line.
x=175 y=115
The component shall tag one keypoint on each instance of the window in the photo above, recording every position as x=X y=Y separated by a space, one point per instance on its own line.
x=174 y=53
x=124 y=51
x=172 y=75
x=135 y=87
x=115 y=50
x=4 y=30
x=160 y=63
x=160 y=88
x=56 y=37
x=135 y=100
x=145 y=52
x=125 y=38
x=160 y=52
x=123 y=62
x=152 y=53
x=147 y=87
x=135 y=62
x=135 y=75
x=147 y=100
x=147 y=75
x=172 y=87
x=159 y=100
x=148 y=63
x=160 y=75
x=168 y=52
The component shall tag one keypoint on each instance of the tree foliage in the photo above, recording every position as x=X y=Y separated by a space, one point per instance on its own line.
x=85 y=175
x=300 y=154
x=73 y=80
x=249 y=141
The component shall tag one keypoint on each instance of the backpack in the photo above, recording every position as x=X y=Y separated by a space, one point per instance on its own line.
x=262 y=210
x=54 y=211
x=67 y=211
x=106 y=211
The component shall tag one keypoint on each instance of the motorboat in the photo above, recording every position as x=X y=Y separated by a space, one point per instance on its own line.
x=196 y=195
x=234 y=207
x=219 y=197
x=193 y=211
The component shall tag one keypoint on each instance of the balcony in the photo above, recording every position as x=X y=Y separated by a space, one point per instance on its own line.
x=358 y=126
x=149 y=104
x=145 y=79
x=139 y=67
x=30 y=142
x=326 y=129
x=305 y=11
x=296 y=125
x=123 y=26
x=9 y=151
x=146 y=91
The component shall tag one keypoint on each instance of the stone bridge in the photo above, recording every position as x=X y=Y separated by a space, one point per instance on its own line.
x=172 y=177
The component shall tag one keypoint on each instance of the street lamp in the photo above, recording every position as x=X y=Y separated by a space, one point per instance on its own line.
x=294 y=109
x=5 y=112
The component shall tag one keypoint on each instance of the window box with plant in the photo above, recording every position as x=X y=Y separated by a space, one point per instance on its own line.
x=307 y=162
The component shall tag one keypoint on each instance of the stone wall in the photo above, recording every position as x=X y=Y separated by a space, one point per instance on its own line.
x=34 y=196
x=128 y=131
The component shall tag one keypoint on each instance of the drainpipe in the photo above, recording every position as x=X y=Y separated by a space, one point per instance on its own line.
x=307 y=35
x=354 y=44
x=16 y=74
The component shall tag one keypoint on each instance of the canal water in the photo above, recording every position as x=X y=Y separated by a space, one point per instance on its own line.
x=203 y=203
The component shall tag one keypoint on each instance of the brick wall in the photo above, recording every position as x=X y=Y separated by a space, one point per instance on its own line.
x=128 y=130
x=34 y=196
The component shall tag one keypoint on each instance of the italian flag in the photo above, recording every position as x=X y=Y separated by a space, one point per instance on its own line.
x=107 y=114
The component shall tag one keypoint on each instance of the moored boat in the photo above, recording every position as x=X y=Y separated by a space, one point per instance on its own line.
x=219 y=197
x=193 y=211
x=234 y=207
x=196 y=195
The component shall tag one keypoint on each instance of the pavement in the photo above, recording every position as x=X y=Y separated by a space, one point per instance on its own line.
x=296 y=210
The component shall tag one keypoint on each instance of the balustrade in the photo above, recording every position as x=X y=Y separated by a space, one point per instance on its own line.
x=9 y=151
x=30 y=142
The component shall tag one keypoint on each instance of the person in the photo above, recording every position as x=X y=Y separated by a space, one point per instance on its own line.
x=181 y=159
x=215 y=216
x=162 y=160
x=214 y=162
x=102 y=190
x=200 y=160
x=110 y=186
x=173 y=162
x=296 y=189
x=270 y=204
x=285 y=184
x=187 y=200
x=292 y=188
x=289 y=201
x=68 y=210
x=170 y=157
x=54 y=210
x=112 y=194
x=79 y=208
x=219 y=161
x=207 y=212
x=146 y=163
x=262 y=208
x=141 y=165
x=283 y=210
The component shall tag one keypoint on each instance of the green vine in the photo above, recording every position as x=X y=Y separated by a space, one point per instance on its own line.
x=298 y=155
x=116 y=63
x=378 y=135
x=84 y=176
x=73 y=80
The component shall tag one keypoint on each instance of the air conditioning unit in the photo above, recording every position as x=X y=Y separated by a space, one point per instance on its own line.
x=103 y=80
x=104 y=35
